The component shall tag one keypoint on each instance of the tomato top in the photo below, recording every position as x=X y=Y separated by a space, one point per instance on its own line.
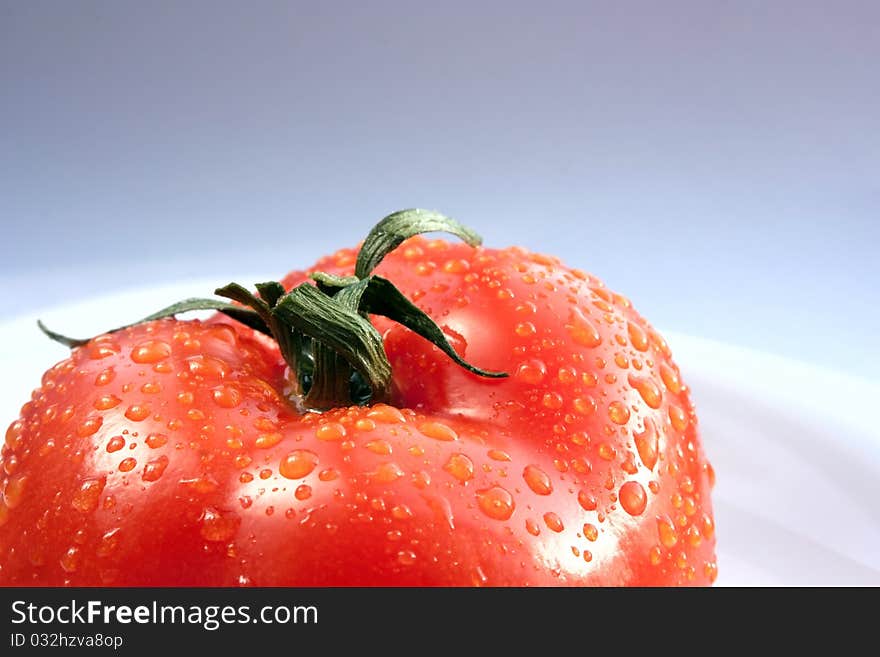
x=171 y=452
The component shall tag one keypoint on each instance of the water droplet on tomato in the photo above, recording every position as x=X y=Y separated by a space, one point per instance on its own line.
x=633 y=498
x=49 y=414
x=154 y=469
x=637 y=336
x=678 y=417
x=582 y=330
x=85 y=500
x=13 y=435
x=629 y=463
x=693 y=536
x=581 y=466
x=70 y=559
x=531 y=372
x=710 y=474
x=647 y=444
x=587 y=501
x=710 y=570
x=265 y=424
x=456 y=266
x=438 y=431
x=401 y=512
x=106 y=402
x=388 y=472
x=14 y=491
x=215 y=525
x=151 y=351
x=328 y=475
x=526 y=308
x=108 y=543
x=303 y=492
x=67 y=413
x=460 y=467
x=442 y=509
x=380 y=446
x=537 y=480
x=525 y=329
x=105 y=377
x=584 y=405
x=591 y=533
x=498 y=455
x=137 y=412
x=226 y=397
x=115 y=444
x=478 y=577
x=202 y=485
x=681 y=560
x=151 y=388
x=89 y=426
x=552 y=400
x=332 y=431
x=607 y=452
x=9 y=464
x=496 y=502
x=670 y=378
x=647 y=389
x=421 y=479
x=267 y=440
x=386 y=414
x=708 y=526
x=532 y=527
x=690 y=505
x=406 y=557
x=686 y=484
x=666 y=531
x=618 y=412
x=425 y=268
x=207 y=367
x=298 y=464
x=602 y=303
x=127 y=464
x=156 y=440
x=99 y=349
x=567 y=375
x=46 y=448
x=553 y=522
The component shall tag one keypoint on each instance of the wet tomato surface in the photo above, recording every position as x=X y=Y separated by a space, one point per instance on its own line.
x=170 y=452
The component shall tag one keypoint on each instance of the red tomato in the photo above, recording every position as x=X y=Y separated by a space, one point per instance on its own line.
x=169 y=453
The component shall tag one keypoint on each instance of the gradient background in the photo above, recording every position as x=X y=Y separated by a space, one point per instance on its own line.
x=717 y=162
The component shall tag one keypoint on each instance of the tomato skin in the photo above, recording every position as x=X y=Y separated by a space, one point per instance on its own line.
x=584 y=467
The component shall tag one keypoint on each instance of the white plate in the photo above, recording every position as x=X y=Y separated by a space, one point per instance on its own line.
x=796 y=449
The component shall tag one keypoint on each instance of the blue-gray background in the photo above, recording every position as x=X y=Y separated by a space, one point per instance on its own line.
x=718 y=162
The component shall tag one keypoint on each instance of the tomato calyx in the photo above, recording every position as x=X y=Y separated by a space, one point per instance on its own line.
x=323 y=329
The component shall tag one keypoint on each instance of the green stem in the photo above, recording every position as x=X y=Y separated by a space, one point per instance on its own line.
x=323 y=330
x=391 y=231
